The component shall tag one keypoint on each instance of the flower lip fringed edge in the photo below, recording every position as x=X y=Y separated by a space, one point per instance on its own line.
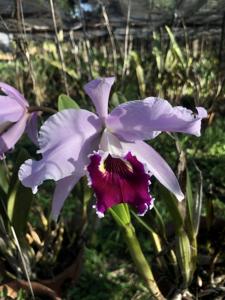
x=118 y=180
x=70 y=141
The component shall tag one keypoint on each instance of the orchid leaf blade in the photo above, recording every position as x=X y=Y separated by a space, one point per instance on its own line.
x=139 y=73
x=117 y=98
x=4 y=184
x=157 y=52
x=65 y=102
x=19 y=202
x=190 y=205
x=183 y=253
x=172 y=205
x=161 y=223
x=19 y=198
x=198 y=203
x=175 y=47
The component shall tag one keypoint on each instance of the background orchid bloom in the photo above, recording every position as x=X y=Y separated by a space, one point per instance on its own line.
x=109 y=148
x=14 y=117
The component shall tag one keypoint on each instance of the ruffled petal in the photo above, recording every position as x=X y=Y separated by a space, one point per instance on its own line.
x=11 y=136
x=98 y=90
x=14 y=94
x=142 y=120
x=78 y=124
x=62 y=191
x=66 y=139
x=10 y=112
x=119 y=180
x=156 y=165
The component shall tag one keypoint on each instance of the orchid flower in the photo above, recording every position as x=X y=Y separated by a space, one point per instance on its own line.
x=109 y=149
x=14 y=118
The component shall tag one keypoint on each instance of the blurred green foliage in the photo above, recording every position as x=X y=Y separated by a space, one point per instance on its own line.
x=170 y=70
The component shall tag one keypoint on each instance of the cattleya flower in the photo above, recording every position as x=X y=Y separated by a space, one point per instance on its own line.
x=14 y=118
x=109 y=149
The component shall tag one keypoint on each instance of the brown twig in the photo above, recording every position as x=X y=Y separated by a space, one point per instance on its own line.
x=52 y=287
x=41 y=108
x=39 y=289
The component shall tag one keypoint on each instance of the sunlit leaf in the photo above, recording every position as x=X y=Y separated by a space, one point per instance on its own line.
x=183 y=251
x=139 y=73
x=57 y=64
x=157 y=52
x=175 y=46
x=65 y=102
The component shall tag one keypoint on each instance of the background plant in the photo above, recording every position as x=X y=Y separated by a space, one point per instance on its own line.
x=168 y=234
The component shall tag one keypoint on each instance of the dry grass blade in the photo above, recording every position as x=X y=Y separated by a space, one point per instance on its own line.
x=23 y=44
x=23 y=261
x=126 y=41
x=104 y=13
x=86 y=44
x=59 y=47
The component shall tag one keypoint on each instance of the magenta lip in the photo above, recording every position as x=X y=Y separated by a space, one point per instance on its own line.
x=119 y=180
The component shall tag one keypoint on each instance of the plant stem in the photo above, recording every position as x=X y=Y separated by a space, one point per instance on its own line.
x=141 y=262
x=42 y=108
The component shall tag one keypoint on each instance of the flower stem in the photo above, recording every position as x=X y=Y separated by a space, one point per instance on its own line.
x=41 y=108
x=141 y=262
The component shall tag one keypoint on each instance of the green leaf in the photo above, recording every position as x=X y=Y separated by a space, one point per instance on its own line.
x=175 y=47
x=161 y=223
x=19 y=203
x=157 y=51
x=172 y=205
x=65 y=102
x=19 y=198
x=2 y=195
x=142 y=222
x=183 y=251
x=22 y=156
x=157 y=243
x=139 y=73
x=3 y=199
x=57 y=64
x=190 y=206
x=198 y=203
x=4 y=184
x=117 y=98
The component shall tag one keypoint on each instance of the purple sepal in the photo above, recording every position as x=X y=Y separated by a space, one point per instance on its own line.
x=32 y=128
x=98 y=90
x=10 y=137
